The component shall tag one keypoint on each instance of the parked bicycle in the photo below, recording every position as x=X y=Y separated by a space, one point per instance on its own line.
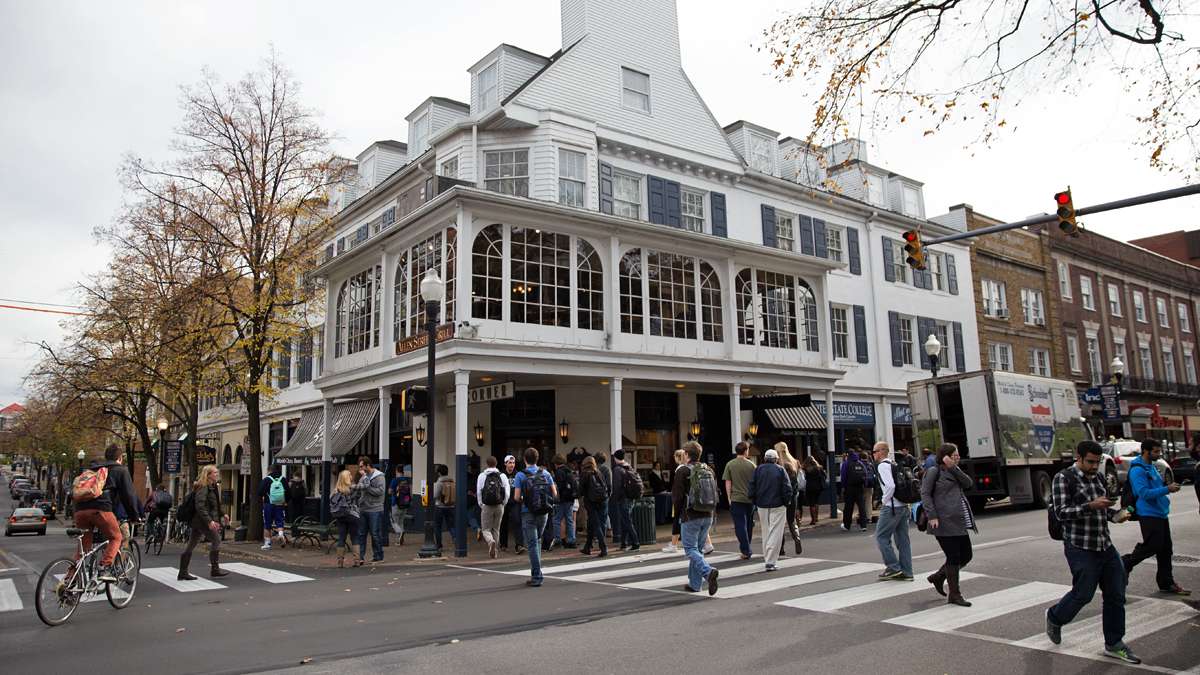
x=66 y=582
x=156 y=534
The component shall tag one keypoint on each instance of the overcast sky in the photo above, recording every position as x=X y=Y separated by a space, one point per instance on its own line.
x=85 y=82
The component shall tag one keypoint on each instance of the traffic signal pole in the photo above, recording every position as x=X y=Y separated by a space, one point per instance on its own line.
x=1150 y=198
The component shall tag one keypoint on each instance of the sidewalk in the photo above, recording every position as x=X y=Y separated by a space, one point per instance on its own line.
x=396 y=556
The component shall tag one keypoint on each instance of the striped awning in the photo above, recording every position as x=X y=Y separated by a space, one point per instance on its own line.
x=796 y=419
x=350 y=422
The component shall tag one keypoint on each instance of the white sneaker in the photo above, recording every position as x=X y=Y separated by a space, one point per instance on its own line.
x=708 y=550
x=266 y=546
x=670 y=548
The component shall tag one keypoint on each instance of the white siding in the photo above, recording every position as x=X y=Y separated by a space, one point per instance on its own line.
x=798 y=164
x=574 y=20
x=737 y=139
x=388 y=161
x=445 y=115
x=516 y=68
x=851 y=182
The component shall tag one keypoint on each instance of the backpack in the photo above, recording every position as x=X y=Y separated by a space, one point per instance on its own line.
x=631 y=483
x=597 y=490
x=1128 y=497
x=89 y=485
x=162 y=500
x=702 y=489
x=568 y=485
x=1053 y=524
x=856 y=474
x=187 y=509
x=493 y=489
x=908 y=490
x=536 y=493
x=404 y=496
x=446 y=495
x=277 y=492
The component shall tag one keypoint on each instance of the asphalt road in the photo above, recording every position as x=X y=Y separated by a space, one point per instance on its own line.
x=824 y=612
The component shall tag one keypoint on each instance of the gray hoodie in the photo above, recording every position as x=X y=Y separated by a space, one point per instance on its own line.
x=374 y=488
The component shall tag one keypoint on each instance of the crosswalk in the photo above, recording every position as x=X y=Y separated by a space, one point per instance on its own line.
x=1008 y=611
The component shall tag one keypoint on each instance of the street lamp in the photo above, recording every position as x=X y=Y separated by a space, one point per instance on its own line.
x=933 y=349
x=433 y=291
x=162 y=446
x=694 y=429
x=1118 y=375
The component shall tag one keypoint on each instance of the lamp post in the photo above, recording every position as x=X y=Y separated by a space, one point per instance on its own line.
x=1118 y=375
x=933 y=349
x=433 y=290
x=162 y=447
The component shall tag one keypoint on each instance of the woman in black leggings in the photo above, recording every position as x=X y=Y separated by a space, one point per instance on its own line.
x=950 y=517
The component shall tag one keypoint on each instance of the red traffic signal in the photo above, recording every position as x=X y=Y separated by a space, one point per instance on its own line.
x=915 y=249
x=1063 y=198
x=1066 y=213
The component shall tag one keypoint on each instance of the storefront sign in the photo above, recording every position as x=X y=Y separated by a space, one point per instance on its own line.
x=205 y=455
x=174 y=457
x=244 y=467
x=901 y=413
x=1091 y=395
x=486 y=393
x=1110 y=402
x=850 y=413
x=421 y=340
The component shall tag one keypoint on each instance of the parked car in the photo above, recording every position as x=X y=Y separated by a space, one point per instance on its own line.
x=19 y=486
x=1124 y=451
x=14 y=478
x=26 y=520
x=31 y=495
x=1184 y=468
x=47 y=508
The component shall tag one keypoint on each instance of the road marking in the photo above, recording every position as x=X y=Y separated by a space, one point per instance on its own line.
x=861 y=595
x=1086 y=638
x=608 y=562
x=774 y=583
x=948 y=617
x=10 y=601
x=726 y=573
x=264 y=574
x=673 y=566
x=168 y=576
x=979 y=547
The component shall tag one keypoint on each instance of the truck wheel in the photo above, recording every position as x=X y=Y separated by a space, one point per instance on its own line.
x=978 y=504
x=1041 y=489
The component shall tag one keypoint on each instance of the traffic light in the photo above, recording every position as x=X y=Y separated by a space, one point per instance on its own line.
x=414 y=400
x=915 y=249
x=1066 y=213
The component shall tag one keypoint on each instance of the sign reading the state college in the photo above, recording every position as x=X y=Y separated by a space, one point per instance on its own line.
x=850 y=413
x=415 y=342
x=488 y=392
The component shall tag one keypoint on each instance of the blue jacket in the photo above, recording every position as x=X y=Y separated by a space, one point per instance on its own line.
x=1152 y=500
x=770 y=486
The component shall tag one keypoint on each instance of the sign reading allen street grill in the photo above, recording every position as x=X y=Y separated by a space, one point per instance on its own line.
x=415 y=342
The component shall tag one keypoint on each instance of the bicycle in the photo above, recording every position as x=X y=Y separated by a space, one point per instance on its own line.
x=156 y=535
x=66 y=582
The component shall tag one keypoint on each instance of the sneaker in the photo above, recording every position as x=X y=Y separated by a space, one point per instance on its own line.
x=891 y=574
x=670 y=548
x=862 y=529
x=266 y=546
x=844 y=528
x=903 y=577
x=107 y=574
x=533 y=584
x=771 y=568
x=1175 y=589
x=1053 y=630
x=886 y=573
x=712 y=581
x=708 y=550
x=1121 y=653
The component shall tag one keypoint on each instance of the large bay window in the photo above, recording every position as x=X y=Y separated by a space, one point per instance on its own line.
x=631 y=292
x=672 y=294
x=487 y=274
x=356 y=326
x=541 y=277
x=589 y=279
x=775 y=310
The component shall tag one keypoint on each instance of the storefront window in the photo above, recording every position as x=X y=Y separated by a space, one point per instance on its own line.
x=399 y=293
x=425 y=256
x=710 y=304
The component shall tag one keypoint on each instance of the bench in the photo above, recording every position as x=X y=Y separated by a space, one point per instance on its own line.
x=312 y=531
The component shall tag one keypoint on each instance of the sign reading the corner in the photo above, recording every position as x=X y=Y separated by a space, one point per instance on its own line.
x=488 y=392
x=415 y=342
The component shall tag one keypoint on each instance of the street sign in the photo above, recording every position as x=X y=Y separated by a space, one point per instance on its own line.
x=174 y=456
x=1091 y=395
x=1110 y=402
x=488 y=392
x=244 y=467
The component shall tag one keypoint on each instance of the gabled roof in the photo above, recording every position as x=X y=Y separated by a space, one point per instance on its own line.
x=12 y=409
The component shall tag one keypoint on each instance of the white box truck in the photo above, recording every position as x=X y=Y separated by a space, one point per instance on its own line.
x=1014 y=432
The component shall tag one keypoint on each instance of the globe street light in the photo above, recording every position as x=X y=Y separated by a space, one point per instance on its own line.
x=1118 y=375
x=162 y=446
x=433 y=291
x=933 y=349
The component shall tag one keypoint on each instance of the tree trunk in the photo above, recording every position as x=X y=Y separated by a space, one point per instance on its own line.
x=254 y=521
x=151 y=455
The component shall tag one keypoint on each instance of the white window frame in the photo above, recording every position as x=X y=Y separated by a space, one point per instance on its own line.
x=625 y=207
x=572 y=181
x=445 y=168
x=489 y=93
x=1168 y=357
x=782 y=217
x=1189 y=367
x=906 y=326
x=630 y=89
x=914 y=209
x=899 y=266
x=945 y=333
x=421 y=132
x=1039 y=362
x=875 y=190
x=1139 y=307
x=833 y=242
x=1160 y=308
x=839 y=315
x=1064 y=281
x=1096 y=371
x=1032 y=307
x=1114 y=300
x=691 y=209
x=995 y=298
x=937 y=270
x=1073 y=354
x=1087 y=295
x=1146 y=358
x=762 y=154
x=1000 y=356
x=493 y=183
x=1185 y=321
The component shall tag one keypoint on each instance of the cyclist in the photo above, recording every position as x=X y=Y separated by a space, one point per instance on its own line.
x=158 y=505
x=98 y=513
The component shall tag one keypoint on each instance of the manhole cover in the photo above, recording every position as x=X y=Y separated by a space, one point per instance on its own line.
x=1185 y=560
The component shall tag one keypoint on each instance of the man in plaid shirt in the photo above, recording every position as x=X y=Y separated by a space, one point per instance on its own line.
x=1081 y=503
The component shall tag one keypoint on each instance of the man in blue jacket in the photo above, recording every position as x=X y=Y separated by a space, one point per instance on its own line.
x=770 y=490
x=1153 y=506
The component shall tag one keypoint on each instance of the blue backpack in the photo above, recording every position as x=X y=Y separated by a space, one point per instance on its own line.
x=535 y=493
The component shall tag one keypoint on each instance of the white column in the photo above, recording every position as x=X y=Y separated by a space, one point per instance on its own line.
x=387 y=339
x=886 y=412
x=729 y=321
x=614 y=404
x=735 y=412
x=385 y=413
x=462 y=271
x=462 y=381
x=612 y=293
x=829 y=438
x=327 y=413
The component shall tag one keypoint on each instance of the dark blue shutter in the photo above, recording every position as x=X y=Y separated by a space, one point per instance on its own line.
x=806 y=235
x=720 y=227
x=925 y=327
x=852 y=253
x=889 y=271
x=674 y=217
x=860 y=333
x=894 y=332
x=960 y=358
x=951 y=274
x=821 y=244
x=656 y=199
x=606 y=188
x=768 y=226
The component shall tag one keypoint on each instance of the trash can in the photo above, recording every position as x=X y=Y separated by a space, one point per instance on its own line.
x=643 y=520
x=239 y=533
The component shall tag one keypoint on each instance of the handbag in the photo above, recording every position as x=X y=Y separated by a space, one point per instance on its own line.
x=922 y=518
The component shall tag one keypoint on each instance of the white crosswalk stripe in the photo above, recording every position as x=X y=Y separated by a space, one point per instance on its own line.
x=168 y=576
x=99 y=595
x=861 y=595
x=777 y=582
x=1142 y=618
x=948 y=617
x=594 y=563
x=726 y=573
x=10 y=601
x=673 y=566
x=264 y=573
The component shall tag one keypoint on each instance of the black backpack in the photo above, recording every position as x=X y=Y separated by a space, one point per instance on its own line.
x=1128 y=498
x=567 y=483
x=535 y=493
x=493 y=489
x=1053 y=524
x=631 y=483
x=597 y=489
x=856 y=474
x=908 y=489
x=187 y=509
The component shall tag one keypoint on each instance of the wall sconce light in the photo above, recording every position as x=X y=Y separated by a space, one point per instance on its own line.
x=419 y=435
x=695 y=429
x=564 y=430
x=479 y=434
x=753 y=430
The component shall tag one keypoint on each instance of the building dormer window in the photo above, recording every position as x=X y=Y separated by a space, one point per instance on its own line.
x=692 y=210
x=420 y=132
x=488 y=89
x=912 y=202
x=449 y=168
x=761 y=156
x=875 y=190
x=572 y=177
x=635 y=90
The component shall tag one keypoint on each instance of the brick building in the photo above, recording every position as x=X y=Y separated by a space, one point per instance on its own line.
x=1180 y=245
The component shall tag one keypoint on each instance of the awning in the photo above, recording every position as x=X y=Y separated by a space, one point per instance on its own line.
x=350 y=422
x=796 y=419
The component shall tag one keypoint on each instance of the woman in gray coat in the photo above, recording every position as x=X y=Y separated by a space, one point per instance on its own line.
x=950 y=517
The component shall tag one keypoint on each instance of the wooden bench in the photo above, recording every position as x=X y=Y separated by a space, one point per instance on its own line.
x=312 y=531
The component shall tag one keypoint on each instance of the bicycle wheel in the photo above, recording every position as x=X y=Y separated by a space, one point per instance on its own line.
x=159 y=536
x=129 y=564
x=57 y=593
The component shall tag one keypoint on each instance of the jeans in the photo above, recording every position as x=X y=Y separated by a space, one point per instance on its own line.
x=532 y=526
x=855 y=497
x=893 y=525
x=597 y=513
x=371 y=523
x=1089 y=569
x=444 y=516
x=628 y=533
x=743 y=525
x=104 y=521
x=1156 y=542
x=692 y=534
x=774 y=520
x=347 y=526
x=564 y=513
x=399 y=513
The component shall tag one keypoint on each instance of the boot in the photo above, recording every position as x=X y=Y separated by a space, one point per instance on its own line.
x=184 y=561
x=812 y=511
x=341 y=557
x=216 y=567
x=938 y=579
x=956 y=597
x=796 y=538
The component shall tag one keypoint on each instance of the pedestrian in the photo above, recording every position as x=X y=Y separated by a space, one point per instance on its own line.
x=297 y=494
x=493 y=493
x=870 y=493
x=206 y=521
x=400 y=491
x=1079 y=498
x=814 y=485
x=630 y=490
x=893 y=520
x=950 y=517
x=273 y=494
x=443 y=500
x=535 y=492
x=681 y=462
x=770 y=489
x=594 y=491
x=567 y=483
x=1153 y=507
x=1195 y=454
x=511 y=522
x=799 y=481
x=606 y=473
x=928 y=459
x=658 y=484
x=343 y=508
x=694 y=495
x=854 y=472
x=737 y=474
x=373 y=486
x=158 y=506
x=112 y=487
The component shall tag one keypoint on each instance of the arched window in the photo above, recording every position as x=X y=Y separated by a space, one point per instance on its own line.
x=399 y=297
x=671 y=284
x=541 y=277
x=356 y=306
x=711 y=321
x=808 y=316
x=590 y=287
x=227 y=455
x=487 y=274
x=778 y=302
x=376 y=304
x=339 y=326
x=449 y=276
x=631 y=292
x=425 y=255
x=744 y=289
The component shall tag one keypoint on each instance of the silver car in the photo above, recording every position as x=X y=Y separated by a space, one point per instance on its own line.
x=1123 y=452
x=26 y=520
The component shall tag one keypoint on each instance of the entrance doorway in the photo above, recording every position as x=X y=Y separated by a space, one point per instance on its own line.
x=523 y=421
x=712 y=410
